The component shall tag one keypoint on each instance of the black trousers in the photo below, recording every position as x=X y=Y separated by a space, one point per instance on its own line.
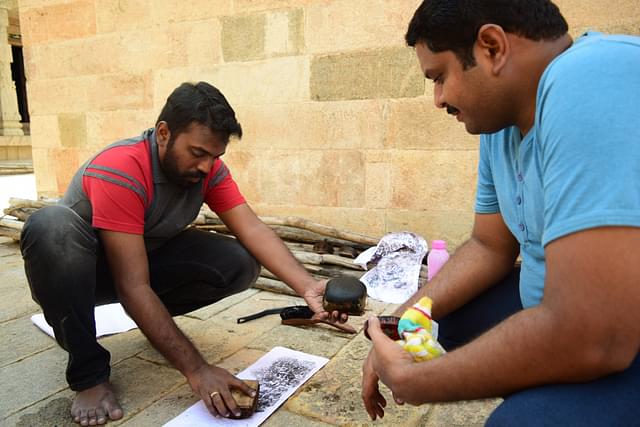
x=68 y=275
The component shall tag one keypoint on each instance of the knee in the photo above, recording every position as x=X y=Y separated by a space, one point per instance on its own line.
x=248 y=267
x=52 y=229
x=449 y=333
x=501 y=416
x=516 y=410
x=242 y=269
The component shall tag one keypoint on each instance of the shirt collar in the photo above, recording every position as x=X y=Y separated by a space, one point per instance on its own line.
x=158 y=175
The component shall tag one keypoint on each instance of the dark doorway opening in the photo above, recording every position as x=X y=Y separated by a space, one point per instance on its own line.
x=18 y=76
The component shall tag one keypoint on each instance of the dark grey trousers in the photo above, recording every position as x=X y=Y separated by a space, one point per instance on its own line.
x=68 y=276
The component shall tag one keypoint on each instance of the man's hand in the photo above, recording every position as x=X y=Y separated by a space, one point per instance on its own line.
x=313 y=295
x=374 y=401
x=271 y=252
x=386 y=361
x=214 y=385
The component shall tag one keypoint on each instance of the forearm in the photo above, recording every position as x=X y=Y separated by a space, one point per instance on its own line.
x=127 y=257
x=586 y=327
x=530 y=348
x=471 y=270
x=271 y=252
x=155 y=322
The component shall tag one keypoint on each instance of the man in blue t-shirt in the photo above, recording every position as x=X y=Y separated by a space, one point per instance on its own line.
x=558 y=186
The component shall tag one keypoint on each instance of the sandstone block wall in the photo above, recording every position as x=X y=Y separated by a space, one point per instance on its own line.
x=339 y=124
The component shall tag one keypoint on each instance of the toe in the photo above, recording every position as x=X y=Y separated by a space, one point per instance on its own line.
x=75 y=414
x=91 y=414
x=115 y=413
x=100 y=416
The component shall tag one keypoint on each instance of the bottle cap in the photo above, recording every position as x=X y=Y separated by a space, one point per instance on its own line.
x=438 y=244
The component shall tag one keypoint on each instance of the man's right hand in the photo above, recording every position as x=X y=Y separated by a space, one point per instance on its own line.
x=374 y=401
x=214 y=385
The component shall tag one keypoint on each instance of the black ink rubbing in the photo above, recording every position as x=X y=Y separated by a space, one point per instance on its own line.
x=281 y=376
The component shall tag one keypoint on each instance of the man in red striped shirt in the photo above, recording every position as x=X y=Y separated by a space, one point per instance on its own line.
x=121 y=233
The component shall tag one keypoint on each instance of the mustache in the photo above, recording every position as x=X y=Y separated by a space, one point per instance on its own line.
x=452 y=110
x=199 y=175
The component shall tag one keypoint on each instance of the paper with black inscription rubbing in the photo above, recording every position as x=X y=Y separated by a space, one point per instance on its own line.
x=280 y=373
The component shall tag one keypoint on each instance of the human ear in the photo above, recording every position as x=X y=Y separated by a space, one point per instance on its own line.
x=163 y=134
x=494 y=46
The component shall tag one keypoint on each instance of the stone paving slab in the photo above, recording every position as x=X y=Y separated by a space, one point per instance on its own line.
x=282 y=417
x=31 y=380
x=19 y=340
x=461 y=414
x=163 y=410
x=125 y=345
x=333 y=394
x=15 y=296
x=140 y=383
x=205 y=313
x=53 y=411
x=319 y=340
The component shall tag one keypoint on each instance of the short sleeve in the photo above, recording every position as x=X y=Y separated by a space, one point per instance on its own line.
x=118 y=190
x=587 y=128
x=486 y=197
x=222 y=192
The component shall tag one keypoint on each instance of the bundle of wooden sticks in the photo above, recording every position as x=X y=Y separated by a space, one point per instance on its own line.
x=324 y=251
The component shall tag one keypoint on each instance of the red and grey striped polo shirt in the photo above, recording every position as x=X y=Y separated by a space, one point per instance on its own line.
x=124 y=189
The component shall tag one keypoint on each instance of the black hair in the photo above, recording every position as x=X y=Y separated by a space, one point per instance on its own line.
x=201 y=103
x=453 y=24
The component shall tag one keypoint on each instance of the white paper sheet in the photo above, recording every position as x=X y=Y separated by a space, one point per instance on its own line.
x=110 y=319
x=397 y=259
x=280 y=373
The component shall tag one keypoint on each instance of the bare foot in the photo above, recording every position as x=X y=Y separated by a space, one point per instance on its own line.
x=92 y=406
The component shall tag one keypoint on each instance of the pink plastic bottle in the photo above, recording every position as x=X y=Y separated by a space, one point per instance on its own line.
x=438 y=255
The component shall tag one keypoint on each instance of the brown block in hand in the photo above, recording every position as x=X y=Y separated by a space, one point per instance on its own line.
x=246 y=404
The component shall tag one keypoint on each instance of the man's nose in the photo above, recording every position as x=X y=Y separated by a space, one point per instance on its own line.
x=205 y=165
x=438 y=97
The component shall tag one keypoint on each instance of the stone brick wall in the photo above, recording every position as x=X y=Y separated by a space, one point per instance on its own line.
x=339 y=124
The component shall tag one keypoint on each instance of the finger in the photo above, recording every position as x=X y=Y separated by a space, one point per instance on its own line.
x=370 y=408
x=320 y=315
x=379 y=408
x=369 y=404
x=380 y=339
x=244 y=387
x=373 y=401
x=344 y=317
x=397 y=399
x=219 y=404
x=208 y=402
x=230 y=404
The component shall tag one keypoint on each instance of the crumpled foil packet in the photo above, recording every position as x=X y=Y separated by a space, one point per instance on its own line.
x=398 y=257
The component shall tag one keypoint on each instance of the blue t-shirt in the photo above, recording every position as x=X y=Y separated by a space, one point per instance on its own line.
x=579 y=166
